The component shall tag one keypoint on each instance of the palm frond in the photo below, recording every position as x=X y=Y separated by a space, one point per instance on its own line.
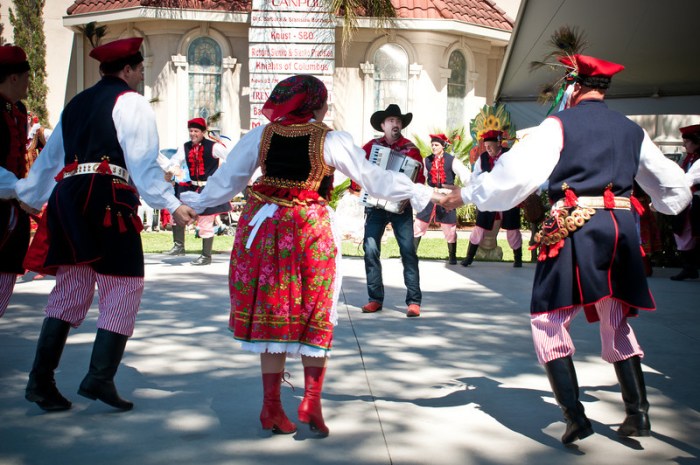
x=93 y=33
x=460 y=143
x=381 y=11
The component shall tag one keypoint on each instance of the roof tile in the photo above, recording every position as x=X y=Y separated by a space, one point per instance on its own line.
x=479 y=12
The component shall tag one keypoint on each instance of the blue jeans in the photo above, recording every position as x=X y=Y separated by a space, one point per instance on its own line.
x=375 y=223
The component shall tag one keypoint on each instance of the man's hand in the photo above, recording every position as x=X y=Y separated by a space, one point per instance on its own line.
x=184 y=215
x=453 y=199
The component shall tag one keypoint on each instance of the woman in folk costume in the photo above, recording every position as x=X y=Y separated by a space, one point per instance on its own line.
x=590 y=258
x=283 y=277
x=441 y=169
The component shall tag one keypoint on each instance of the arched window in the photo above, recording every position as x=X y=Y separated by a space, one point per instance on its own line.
x=390 y=77
x=204 y=63
x=456 y=89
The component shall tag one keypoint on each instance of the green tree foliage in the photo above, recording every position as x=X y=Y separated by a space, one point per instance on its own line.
x=27 y=21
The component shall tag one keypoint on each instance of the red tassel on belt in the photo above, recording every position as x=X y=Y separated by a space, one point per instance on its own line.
x=570 y=198
x=103 y=167
x=608 y=198
x=637 y=205
x=107 y=222
x=138 y=224
x=67 y=169
x=120 y=221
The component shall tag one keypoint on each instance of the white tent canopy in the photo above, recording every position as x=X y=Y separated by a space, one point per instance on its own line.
x=656 y=41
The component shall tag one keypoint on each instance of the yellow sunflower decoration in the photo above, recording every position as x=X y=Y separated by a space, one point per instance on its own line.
x=491 y=118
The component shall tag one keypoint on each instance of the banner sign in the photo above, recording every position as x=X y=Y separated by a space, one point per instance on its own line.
x=288 y=37
x=292 y=19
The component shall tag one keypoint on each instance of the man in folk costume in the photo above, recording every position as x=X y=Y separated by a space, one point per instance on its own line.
x=590 y=256
x=202 y=157
x=441 y=170
x=105 y=143
x=686 y=226
x=14 y=222
x=510 y=219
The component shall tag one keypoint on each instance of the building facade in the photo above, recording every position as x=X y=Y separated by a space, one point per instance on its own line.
x=438 y=60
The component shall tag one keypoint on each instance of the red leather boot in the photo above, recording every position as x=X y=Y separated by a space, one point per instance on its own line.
x=272 y=415
x=310 y=408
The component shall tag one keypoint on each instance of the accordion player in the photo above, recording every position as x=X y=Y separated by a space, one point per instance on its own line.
x=390 y=160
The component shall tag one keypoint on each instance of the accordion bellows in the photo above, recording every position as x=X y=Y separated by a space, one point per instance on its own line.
x=390 y=160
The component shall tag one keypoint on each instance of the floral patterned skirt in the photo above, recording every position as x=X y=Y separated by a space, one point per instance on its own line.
x=283 y=286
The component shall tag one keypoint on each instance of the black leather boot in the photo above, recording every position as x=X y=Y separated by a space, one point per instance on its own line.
x=634 y=395
x=452 y=250
x=98 y=384
x=416 y=242
x=518 y=257
x=690 y=269
x=178 y=241
x=41 y=387
x=471 y=253
x=205 y=258
x=562 y=378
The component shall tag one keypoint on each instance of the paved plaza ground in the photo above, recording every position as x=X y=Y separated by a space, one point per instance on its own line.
x=458 y=386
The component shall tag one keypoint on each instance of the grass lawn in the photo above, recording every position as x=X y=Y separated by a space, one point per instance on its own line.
x=429 y=249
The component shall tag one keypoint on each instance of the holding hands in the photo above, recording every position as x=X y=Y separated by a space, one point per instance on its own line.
x=452 y=200
x=184 y=215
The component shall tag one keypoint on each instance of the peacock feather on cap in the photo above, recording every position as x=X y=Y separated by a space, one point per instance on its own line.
x=565 y=42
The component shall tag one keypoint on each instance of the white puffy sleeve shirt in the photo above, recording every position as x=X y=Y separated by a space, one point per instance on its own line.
x=339 y=151
x=135 y=123
x=530 y=162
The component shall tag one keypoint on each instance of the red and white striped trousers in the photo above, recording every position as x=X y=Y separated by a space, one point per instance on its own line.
x=119 y=298
x=7 y=285
x=550 y=333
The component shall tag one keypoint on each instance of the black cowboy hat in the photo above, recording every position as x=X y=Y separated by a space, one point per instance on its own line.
x=378 y=117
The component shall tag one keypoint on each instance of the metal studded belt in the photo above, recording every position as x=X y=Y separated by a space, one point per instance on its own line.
x=621 y=203
x=91 y=168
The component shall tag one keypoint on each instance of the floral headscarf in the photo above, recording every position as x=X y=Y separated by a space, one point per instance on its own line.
x=293 y=100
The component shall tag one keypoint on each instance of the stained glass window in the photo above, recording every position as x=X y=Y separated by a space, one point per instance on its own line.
x=456 y=89
x=204 y=62
x=390 y=77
